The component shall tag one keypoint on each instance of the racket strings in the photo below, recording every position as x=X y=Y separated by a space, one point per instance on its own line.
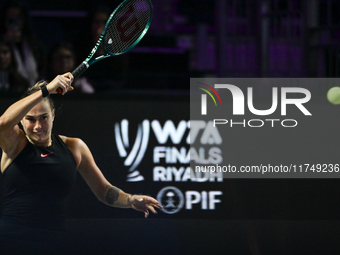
x=128 y=24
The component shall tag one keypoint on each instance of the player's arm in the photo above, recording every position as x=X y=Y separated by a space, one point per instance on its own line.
x=9 y=131
x=105 y=191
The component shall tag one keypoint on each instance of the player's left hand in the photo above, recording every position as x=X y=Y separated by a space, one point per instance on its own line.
x=144 y=204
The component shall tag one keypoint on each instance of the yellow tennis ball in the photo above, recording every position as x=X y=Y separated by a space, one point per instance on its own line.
x=333 y=95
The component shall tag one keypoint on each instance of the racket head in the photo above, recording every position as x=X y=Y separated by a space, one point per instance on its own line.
x=126 y=26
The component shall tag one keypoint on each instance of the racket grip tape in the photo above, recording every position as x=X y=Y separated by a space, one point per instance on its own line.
x=80 y=69
x=76 y=73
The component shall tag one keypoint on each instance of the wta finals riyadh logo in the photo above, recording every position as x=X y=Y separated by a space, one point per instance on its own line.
x=138 y=149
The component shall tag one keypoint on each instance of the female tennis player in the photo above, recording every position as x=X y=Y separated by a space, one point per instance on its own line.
x=39 y=169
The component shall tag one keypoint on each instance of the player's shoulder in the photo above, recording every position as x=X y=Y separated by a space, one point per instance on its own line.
x=76 y=146
x=72 y=142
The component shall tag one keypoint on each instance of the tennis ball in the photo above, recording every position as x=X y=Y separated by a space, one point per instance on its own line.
x=333 y=95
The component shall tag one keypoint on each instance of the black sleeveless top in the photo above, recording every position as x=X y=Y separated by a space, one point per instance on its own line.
x=36 y=188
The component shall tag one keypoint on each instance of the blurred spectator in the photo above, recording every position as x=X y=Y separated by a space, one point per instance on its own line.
x=28 y=51
x=10 y=79
x=99 y=18
x=62 y=59
x=107 y=73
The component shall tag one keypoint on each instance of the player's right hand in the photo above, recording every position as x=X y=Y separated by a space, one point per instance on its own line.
x=63 y=82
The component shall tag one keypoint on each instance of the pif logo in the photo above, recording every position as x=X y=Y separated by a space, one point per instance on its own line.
x=239 y=99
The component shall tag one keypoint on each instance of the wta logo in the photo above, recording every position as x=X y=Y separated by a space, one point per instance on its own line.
x=137 y=150
x=204 y=97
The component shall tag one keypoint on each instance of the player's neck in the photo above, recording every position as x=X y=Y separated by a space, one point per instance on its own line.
x=46 y=143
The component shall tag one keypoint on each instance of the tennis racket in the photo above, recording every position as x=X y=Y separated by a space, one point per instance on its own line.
x=124 y=29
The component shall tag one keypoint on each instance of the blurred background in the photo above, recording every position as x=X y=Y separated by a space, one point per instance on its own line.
x=187 y=38
x=201 y=38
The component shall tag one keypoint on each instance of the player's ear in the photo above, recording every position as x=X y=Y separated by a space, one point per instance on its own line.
x=21 y=125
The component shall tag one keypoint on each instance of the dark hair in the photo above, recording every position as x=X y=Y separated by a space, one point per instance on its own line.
x=36 y=88
x=61 y=45
x=100 y=8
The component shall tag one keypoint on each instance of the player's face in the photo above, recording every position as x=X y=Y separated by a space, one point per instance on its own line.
x=38 y=123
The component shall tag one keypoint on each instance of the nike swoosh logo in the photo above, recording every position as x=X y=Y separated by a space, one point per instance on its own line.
x=45 y=155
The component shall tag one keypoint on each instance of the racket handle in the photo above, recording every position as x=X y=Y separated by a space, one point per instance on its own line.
x=80 y=69
x=76 y=73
